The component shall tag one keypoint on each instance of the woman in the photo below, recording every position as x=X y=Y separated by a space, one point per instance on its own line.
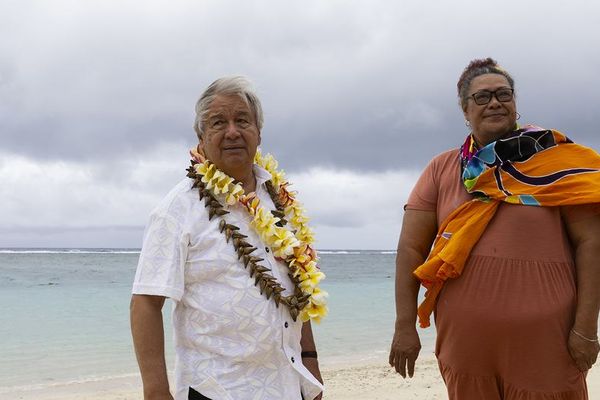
x=513 y=275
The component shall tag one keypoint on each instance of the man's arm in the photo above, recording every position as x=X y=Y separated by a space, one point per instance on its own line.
x=148 y=339
x=307 y=342
x=585 y=238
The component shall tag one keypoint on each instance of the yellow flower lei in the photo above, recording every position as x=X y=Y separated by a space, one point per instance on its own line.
x=293 y=245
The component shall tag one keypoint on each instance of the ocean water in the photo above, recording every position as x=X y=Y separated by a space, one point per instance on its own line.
x=65 y=313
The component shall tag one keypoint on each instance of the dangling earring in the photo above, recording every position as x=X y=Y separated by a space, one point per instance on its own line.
x=518 y=116
x=468 y=123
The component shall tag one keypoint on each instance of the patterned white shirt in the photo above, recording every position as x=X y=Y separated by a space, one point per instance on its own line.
x=231 y=343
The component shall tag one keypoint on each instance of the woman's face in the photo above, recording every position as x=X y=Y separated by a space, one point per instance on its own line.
x=493 y=120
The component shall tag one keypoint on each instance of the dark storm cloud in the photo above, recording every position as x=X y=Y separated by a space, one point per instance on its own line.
x=352 y=85
x=97 y=98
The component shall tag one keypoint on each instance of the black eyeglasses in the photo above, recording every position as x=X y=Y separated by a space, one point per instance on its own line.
x=503 y=95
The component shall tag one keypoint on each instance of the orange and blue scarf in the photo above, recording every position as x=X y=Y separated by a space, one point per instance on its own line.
x=532 y=166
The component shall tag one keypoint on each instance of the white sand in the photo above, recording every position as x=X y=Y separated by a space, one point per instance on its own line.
x=373 y=381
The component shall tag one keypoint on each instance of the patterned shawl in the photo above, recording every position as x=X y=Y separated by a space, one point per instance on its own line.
x=534 y=167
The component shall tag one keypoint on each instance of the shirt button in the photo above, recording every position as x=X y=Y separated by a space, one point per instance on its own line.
x=267 y=249
x=286 y=324
x=293 y=359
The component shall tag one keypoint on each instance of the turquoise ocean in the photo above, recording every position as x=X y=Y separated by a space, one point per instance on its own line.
x=65 y=313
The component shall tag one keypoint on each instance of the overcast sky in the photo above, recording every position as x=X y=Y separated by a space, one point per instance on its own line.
x=97 y=97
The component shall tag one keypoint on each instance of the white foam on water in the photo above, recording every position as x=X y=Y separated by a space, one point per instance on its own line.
x=68 y=251
x=51 y=385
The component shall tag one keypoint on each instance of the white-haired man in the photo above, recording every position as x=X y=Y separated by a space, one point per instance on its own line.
x=242 y=281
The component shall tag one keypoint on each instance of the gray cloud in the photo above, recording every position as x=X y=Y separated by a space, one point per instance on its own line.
x=361 y=85
x=61 y=236
x=107 y=88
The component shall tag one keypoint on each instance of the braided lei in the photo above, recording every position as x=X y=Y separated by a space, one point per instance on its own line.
x=284 y=230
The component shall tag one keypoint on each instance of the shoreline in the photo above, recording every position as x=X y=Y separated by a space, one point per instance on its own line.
x=343 y=381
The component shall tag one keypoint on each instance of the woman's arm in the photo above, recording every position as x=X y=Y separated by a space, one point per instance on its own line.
x=584 y=234
x=417 y=236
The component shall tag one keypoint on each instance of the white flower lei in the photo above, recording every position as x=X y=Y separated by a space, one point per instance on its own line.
x=293 y=244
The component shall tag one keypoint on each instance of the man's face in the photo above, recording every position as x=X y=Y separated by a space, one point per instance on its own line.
x=230 y=135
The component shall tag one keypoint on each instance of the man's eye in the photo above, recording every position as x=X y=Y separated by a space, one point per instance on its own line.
x=243 y=121
x=217 y=123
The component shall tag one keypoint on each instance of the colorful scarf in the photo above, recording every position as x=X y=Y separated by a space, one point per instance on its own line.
x=534 y=167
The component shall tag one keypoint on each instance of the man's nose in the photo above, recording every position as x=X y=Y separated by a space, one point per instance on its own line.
x=231 y=129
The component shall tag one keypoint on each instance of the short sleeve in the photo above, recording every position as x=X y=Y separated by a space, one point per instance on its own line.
x=424 y=196
x=160 y=270
x=580 y=212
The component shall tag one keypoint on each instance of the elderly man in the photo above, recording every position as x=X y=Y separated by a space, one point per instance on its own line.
x=230 y=247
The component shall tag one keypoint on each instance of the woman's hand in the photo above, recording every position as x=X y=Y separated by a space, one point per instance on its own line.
x=584 y=352
x=418 y=232
x=405 y=350
x=583 y=227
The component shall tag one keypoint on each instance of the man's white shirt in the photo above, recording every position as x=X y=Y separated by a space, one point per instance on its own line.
x=230 y=341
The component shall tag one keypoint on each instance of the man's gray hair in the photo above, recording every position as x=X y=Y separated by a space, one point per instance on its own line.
x=228 y=85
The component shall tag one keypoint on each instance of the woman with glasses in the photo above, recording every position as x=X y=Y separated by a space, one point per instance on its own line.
x=504 y=233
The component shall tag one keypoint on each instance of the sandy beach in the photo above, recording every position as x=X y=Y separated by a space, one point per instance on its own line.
x=373 y=381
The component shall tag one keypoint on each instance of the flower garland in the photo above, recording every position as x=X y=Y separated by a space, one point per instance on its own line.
x=293 y=245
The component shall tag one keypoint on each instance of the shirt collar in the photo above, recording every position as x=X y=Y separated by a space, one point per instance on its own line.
x=261 y=175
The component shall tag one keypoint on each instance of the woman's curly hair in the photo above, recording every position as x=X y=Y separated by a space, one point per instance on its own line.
x=475 y=68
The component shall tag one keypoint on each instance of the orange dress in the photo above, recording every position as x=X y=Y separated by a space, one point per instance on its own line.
x=502 y=326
